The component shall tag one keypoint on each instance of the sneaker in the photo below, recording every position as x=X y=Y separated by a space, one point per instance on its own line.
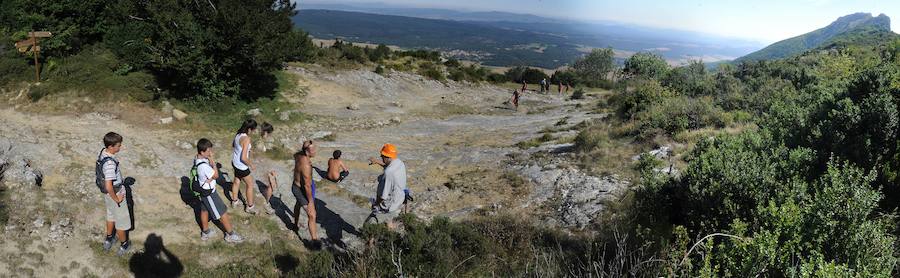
x=207 y=235
x=250 y=210
x=123 y=249
x=269 y=209
x=233 y=238
x=314 y=245
x=235 y=203
x=108 y=243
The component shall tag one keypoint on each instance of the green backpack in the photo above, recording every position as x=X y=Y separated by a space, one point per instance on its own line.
x=196 y=187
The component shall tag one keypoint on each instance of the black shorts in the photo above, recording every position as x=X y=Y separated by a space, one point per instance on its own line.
x=238 y=173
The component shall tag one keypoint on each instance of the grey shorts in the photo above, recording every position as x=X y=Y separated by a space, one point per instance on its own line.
x=300 y=194
x=214 y=205
x=117 y=213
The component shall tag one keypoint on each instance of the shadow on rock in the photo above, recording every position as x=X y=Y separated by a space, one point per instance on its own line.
x=334 y=224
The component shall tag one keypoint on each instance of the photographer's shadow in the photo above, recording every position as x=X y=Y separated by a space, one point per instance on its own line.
x=155 y=260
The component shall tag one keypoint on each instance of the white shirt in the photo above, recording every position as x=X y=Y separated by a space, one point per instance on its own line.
x=205 y=173
x=238 y=151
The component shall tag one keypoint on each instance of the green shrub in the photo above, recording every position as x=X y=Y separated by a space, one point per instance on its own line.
x=578 y=94
x=496 y=78
x=783 y=211
x=316 y=264
x=379 y=70
x=639 y=96
x=432 y=71
x=678 y=114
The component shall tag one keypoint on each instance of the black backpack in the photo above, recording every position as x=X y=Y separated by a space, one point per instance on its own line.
x=196 y=187
x=98 y=171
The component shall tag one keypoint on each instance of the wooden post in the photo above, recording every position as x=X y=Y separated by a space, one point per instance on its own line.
x=37 y=64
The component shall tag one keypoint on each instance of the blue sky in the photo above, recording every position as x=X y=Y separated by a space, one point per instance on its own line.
x=761 y=20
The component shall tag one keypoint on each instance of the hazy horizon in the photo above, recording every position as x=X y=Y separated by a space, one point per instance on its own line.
x=771 y=21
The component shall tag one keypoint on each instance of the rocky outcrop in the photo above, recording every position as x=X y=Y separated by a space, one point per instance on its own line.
x=17 y=169
x=578 y=198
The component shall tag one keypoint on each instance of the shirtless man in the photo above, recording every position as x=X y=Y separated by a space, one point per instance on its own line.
x=304 y=189
x=337 y=171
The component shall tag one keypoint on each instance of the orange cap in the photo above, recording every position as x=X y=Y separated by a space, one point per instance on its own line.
x=389 y=151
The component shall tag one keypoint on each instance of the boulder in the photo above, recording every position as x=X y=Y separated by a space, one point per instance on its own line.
x=354 y=106
x=184 y=145
x=179 y=115
x=39 y=222
x=254 y=112
x=167 y=107
x=284 y=116
x=166 y=120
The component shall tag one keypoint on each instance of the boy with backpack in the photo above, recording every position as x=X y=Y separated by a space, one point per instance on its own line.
x=203 y=183
x=109 y=181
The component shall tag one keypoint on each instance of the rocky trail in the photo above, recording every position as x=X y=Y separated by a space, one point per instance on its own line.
x=457 y=140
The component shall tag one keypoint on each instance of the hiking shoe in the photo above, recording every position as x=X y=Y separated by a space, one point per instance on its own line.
x=124 y=248
x=314 y=245
x=269 y=209
x=108 y=243
x=207 y=235
x=235 y=203
x=250 y=210
x=234 y=238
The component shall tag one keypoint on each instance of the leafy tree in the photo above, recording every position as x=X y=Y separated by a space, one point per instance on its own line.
x=380 y=52
x=566 y=76
x=209 y=50
x=596 y=66
x=691 y=79
x=530 y=75
x=646 y=64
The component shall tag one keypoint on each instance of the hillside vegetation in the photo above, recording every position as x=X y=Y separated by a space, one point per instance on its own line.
x=489 y=45
x=792 y=168
x=856 y=29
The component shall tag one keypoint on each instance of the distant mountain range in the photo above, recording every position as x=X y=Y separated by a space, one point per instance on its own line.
x=509 y=39
x=445 y=14
x=853 y=29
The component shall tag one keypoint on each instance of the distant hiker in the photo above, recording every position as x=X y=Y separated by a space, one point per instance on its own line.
x=243 y=167
x=337 y=171
x=567 y=87
x=559 y=87
x=515 y=99
x=109 y=181
x=524 y=86
x=391 y=191
x=265 y=131
x=304 y=189
x=543 y=84
x=205 y=184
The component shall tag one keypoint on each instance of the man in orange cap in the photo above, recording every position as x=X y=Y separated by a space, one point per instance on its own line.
x=391 y=187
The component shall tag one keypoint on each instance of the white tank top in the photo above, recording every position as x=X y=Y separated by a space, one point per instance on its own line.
x=236 y=155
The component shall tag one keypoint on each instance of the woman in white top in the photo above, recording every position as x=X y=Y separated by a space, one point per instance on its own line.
x=240 y=160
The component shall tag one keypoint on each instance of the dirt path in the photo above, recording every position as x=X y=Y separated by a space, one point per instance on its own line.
x=441 y=132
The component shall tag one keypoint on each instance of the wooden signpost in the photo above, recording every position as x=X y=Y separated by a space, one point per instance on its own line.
x=33 y=44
